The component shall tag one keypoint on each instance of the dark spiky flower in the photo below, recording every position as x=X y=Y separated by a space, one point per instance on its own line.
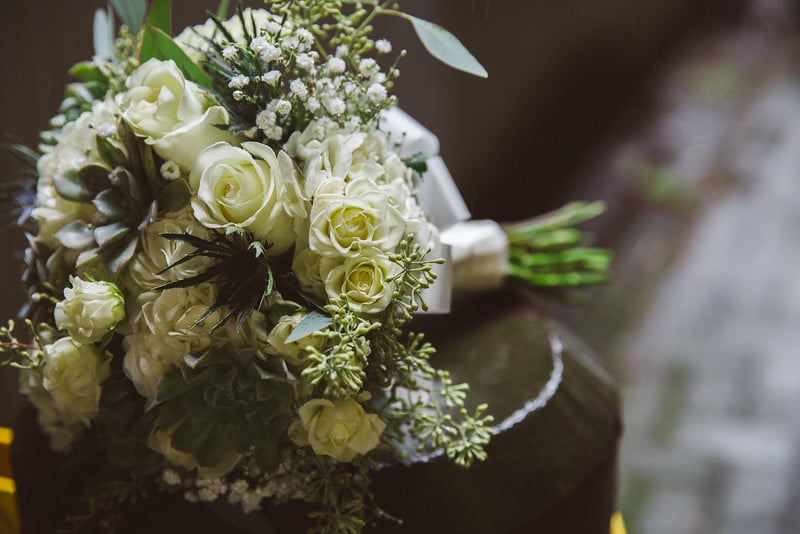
x=240 y=270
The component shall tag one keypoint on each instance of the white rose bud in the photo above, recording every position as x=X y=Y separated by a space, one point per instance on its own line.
x=173 y=114
x=72 y=375
x=244 y=187
x=90 y=310
x=365 y=282
x=340 y=429
x=292 y=352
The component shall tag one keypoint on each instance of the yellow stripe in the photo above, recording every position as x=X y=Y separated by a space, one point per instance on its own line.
x=6 y=437
x=9 y=520
x=617 y=524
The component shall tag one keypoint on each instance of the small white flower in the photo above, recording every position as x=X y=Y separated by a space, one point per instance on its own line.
x=271 y=53
x=239 y=81
x=336 y=106
x=282 y=107
x=238 y=95
x=275 y=133
x=266 y=119
x=271 y=77
x=259 y=44
x=383 y=46
x=298 y=88
x=229 y=52
x=376 y=93
x=367 y=66
x=170 y=170
x=312 y=105
x=273 y=27
x=305 y=61
x=171 y=477
x=335 y=65
x=342 y=50
x=305 y=39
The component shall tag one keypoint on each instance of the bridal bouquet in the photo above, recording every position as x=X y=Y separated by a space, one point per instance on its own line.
x=227 y=243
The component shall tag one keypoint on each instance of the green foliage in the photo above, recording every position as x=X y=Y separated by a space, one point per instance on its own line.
x=226 y=402
x=548 y=251
x=16 y=353
x=445 y=47
x=158 y=44
x=131 y=12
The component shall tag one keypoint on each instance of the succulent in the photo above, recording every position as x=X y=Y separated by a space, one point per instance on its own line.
x=127 y=192
x=226 y=403
x=45 y=272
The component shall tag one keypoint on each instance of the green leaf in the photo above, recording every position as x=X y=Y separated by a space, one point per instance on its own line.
x=174 y=196
x=160 y=17
x=446 y=47
x=87 y=71
x=111 y=204
x=189 y=437
x=112 y=155
x=222 y=10
x=103 y=34
x=70 y=186
x=311 y=323
x=131 y=12
x=161 y=46
x=121 y=258
x=417 y=162
x=75 y=235
x=105 y=235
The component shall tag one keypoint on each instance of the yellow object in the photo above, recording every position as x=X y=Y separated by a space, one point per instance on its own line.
x=617 y=524
x=9 y=519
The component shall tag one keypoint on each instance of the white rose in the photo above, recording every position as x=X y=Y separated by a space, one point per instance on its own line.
x=346 y=218
x=306 y=267
x=173 y=114
x=155 y=253
x=340 y=429
x=175 y=311
x=90 y=310
x=72 y=375
x=63 y=435
x=244 y=187
x=148 y=357
x=364 y=282
x=426 y=235
x=293 y=351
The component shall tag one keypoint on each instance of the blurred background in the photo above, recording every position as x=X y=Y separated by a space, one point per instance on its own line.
x=684 y=116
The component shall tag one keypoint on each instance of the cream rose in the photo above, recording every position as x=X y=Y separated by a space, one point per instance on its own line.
x=349 y=217
x=364 y=282
x=193 y=38
x=292 y=352
x=156 y=253
x=244 y=187
x=90 y=310
x=306 y=267
x=147 y=359
x=174 y=115
x=62 y=434
x=72 y=375
x=340 y=429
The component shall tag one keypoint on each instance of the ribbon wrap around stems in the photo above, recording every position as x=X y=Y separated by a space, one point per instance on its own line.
x=476 y=252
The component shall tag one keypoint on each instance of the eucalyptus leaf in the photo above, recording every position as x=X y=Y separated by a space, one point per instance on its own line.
x=446 y=47
x=103 y=34
x=75 y=235
x=131 y=12
x=313 y=322
x=161 y=46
